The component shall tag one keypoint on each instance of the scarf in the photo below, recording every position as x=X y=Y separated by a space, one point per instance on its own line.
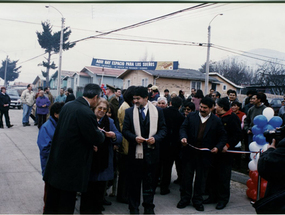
x=101 y=157
x=153 y=119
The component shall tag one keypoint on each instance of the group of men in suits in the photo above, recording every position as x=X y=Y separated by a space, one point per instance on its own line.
x=145 y=129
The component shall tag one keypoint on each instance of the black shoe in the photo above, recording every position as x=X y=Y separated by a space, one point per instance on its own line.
x=134 y=211
x=149 y=211
x=199 y=207
x=164 y=192
x=35 y=123
x=26 y=124
x=106 y=202
x=209 y=201
x=182 y=204
x=10 y=126
x=177 y=181
x=221 y=205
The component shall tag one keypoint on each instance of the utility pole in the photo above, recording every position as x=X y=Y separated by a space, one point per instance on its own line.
x=208 y=56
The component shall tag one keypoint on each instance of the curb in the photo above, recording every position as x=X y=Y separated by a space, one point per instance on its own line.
x=239 y=177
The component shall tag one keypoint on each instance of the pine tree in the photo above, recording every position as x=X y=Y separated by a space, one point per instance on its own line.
x=50 y=42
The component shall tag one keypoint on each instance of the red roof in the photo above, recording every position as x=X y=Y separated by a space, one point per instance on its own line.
x=107 y=71
x=82 y=74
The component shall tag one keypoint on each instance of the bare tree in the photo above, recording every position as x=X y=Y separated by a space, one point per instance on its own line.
x=272 y=75
x=237 y=72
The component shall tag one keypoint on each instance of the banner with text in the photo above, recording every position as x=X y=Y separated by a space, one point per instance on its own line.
x=136 y=65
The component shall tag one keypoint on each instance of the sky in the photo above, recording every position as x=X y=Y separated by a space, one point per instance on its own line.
x=242 y=27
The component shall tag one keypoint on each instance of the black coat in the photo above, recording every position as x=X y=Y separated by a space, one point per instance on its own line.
x=129 y=133
x=232 y=126
x=4 y=99
x=271 y=167
x=70 y=158
x=173 y=120
x=214 y=136
x=69 y=98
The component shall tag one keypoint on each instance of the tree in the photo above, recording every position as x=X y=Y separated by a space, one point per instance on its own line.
x=50 y=42
x=237 y=72
x=271 y=74
x=12 y=70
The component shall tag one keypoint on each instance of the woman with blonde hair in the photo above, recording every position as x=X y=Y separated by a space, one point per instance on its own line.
x=102 y=165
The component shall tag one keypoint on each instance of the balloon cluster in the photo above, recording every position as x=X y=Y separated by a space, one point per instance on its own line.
x=252 y=184
x=103 y=87
x=264 y=122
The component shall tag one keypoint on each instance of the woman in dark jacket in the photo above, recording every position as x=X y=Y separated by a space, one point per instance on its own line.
x=102 y=165
x=43 y=104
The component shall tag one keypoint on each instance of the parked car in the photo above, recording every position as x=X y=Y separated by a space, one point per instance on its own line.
x=276 y=105
x=15 y=98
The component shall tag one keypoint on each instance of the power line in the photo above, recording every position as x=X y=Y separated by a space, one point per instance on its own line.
x=249 y=56
x=32 y=58
x=146 y=22
x=248 y=53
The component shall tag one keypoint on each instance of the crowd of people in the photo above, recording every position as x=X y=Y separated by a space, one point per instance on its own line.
x=129 y=140
x=38 y=105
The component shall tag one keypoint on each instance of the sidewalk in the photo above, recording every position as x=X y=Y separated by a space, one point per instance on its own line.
x=21 y=184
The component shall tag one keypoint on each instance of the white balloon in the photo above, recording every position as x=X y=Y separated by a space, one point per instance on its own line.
x=264 y=148
x=268 y=113
x=254 y=156
x=252 y=165
x=254 y=147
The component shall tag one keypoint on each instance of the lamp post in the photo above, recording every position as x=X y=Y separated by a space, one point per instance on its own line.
x=60 y=50
x=208 y=55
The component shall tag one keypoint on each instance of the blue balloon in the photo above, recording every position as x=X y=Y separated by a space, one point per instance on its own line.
x=268 y=127
x=260 y=120
x=254 y=138
x=256 y=130
x=275 y=121
x=260 y=139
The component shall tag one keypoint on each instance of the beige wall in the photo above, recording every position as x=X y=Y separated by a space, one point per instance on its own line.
x=173 y=85
x=220 y=86
x=136 y=77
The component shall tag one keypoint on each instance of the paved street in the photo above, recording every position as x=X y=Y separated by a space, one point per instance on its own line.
x=21 y=184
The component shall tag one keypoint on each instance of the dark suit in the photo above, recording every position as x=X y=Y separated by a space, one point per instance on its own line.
x=4 y=99
x=170 y=149
x=220 y=173
x=142 y=170
x=198 y=161
x=69 y=162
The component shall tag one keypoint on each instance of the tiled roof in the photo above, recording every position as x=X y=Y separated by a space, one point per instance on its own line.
x=64 y=73
x=107 y=71
x=188 y=74
x=82 y=74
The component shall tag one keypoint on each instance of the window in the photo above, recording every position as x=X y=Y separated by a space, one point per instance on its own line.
x=128 y=83
x=224 y=87
x=144 y=82
x=196 y=85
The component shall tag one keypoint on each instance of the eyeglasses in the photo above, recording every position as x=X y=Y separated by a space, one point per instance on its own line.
x=188 y=109
x=102 y=109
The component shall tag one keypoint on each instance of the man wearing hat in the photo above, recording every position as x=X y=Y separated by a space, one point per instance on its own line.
x=155 y=93
x=4 y=107
x=110 y=92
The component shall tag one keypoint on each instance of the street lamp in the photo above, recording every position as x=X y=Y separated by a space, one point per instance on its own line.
x=208 y=55
x=60 y=50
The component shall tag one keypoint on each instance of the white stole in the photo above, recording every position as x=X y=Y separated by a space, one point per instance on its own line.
x=153 y=120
